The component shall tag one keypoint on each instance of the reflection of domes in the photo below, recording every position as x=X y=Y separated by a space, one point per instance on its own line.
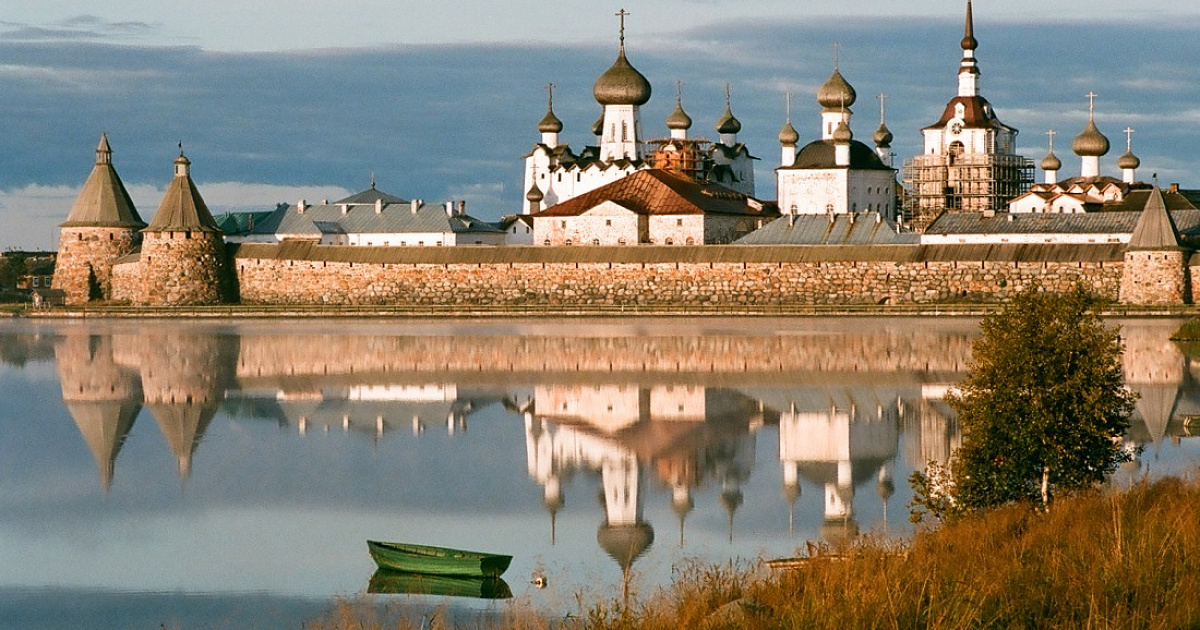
x=622 y=84
x=1051 y=162
x=791 y=492
x=1090 y=142
x=625 y=543
x=836 y=93
x=788 y=135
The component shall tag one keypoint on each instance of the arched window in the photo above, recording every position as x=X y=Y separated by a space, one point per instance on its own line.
x=670 y=241
x=546 y=242
x=568 y=242
x=690 y=241
x=624 y=131
x=595 y=241
x=828 y=207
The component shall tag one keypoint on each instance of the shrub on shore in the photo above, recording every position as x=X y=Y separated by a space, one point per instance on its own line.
x=1101 y=559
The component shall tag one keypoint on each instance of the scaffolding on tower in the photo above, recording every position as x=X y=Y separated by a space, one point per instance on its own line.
x=936 y=183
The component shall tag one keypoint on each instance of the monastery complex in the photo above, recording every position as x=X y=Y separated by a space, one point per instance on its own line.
x=643 y=221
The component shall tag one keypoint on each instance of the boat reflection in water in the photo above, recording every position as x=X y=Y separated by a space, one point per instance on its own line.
x=735 y=441
x=385 y=582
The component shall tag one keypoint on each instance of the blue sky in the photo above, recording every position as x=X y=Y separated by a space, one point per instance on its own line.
x=438 y=102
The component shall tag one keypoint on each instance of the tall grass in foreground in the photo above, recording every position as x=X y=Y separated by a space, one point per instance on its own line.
x=1106 y=559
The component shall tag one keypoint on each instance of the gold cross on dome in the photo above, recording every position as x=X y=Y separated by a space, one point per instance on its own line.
x=621 y=14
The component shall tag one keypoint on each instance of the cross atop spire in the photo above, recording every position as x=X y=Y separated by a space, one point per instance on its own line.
x=621 y=14
x=1051 y=133
x=679 y=93
x=1128 y=139
x=727 y=96
x=1091 y=96
x=882 y=97
x=837 y=55
x=549 y=96
x=787 y=99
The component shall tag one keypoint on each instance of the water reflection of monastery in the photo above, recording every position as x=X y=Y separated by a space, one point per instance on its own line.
x=670 y=413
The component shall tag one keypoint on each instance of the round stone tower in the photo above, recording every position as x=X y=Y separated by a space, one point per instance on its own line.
x=183 y=256
x=103 y=226
x=1155 y=270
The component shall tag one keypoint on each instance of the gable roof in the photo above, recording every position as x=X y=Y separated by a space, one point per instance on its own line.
x=1155 y=230
x=659 y=192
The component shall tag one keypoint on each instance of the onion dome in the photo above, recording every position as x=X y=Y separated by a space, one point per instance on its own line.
x=883 y=136
x=836 y=93
x=622 y=84
x=1051 y=162
x=842 y=135
x=728 y=123
x=1090 y=142
x=598 y=126
x=1129 y=161
x=535 y=194
x=788 y=136
x=679 y=118
x=550 y=123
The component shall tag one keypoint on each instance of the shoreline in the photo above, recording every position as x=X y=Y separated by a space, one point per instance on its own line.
x=253 y=311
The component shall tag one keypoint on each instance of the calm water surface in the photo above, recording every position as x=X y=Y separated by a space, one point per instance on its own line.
x=227 y=474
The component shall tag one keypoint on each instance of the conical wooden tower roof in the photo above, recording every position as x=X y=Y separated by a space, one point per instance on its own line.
x=1155 y=230
x=103 y=201
x=104 y=426
x=183 y=208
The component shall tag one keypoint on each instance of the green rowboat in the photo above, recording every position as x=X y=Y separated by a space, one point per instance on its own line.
x=430 y=560
x=397 y=582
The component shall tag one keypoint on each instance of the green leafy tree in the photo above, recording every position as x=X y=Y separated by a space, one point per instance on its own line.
x=1042 y=408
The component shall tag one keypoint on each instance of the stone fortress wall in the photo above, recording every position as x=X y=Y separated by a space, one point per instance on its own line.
x=647 y=277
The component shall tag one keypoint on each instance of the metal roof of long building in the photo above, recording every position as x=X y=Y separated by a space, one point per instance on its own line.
x=866 y=228
x=1123 y=222
x=371 y=214
x=667 y=254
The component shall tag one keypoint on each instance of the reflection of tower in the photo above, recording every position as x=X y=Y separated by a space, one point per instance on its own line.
x=623 y=535
x=1154 y=369
x=102 y=398
x=837 y=447
x=184 y=377
x=542 y=467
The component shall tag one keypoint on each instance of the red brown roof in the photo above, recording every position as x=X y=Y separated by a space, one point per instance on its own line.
x=659 y=192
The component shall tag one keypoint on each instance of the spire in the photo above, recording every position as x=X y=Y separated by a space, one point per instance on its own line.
x=728 y=124
x=787 y=135
x=968 y=68
x=969 y=42
x=103 y=152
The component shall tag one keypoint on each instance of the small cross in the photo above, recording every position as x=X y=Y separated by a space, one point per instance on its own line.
x=787 y=98
x=1128 y=139
x=837 y=55
x=622 y=15
x=727 y=96
x=1091 y=104
x=550 y=96
x=882 y=97
x=1052 y=133
x=679 y=93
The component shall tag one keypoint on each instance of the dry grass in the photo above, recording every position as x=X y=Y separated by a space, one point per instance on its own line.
x=1107 y=559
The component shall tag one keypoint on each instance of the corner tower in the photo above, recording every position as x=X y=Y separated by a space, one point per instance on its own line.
x=970 y=162
x=183 y=252
x=1155 y=270
x=102 y=226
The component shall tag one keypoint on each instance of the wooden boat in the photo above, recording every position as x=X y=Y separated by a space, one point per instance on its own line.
x=385 y=581
x=431 y=560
